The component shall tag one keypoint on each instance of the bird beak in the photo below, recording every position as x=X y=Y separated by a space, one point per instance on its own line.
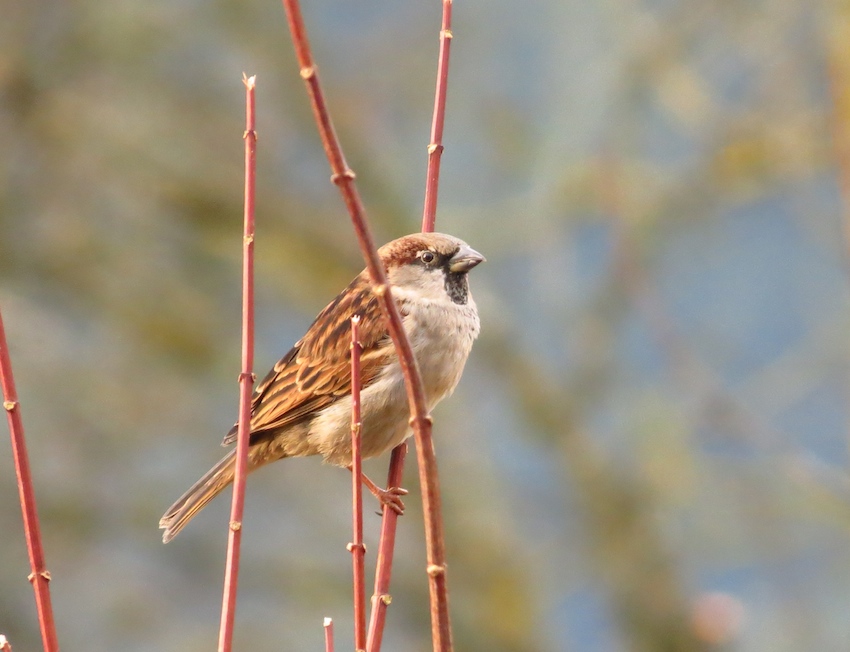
x=465 y=259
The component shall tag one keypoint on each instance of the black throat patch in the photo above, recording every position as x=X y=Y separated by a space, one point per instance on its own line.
x=457 y=286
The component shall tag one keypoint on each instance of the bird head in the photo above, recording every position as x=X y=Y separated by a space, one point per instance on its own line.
x=435 y=265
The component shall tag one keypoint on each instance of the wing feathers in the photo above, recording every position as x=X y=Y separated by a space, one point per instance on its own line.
x=318 y=368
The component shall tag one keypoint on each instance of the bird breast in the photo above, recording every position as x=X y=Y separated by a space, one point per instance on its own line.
x=441 y=334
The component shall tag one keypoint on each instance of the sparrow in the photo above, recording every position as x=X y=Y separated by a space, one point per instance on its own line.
x=303 y=406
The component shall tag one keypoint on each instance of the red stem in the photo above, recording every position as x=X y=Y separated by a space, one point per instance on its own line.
x=39 y=576
x=329 y=635
x=383 y=572
x=435 y=148
x=386 y=547
x=420 y=419
x=358 y=550
x=246 y=379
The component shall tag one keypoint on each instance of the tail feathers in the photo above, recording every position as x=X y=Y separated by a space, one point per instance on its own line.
x=202 y=492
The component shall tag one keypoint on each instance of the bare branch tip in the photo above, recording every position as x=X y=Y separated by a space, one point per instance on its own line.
x=327 y=622
x=250 y=82
x=5 y=646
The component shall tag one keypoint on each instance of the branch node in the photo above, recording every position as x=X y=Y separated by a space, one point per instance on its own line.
x=248 y=239
x=380 y=290
x=235 y=525
x=45 y=574
x=434 y=147
x=10 y=405
x=446 y=33
x=308 y=72
x=386 y=599
x=434 y=570
x=342 y=177
x=351 y=547
x=427 y=418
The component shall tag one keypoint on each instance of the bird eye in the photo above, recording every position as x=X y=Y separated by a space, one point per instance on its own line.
x=428 y=257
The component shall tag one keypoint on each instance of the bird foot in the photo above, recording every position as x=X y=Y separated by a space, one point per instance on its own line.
x=391 y=497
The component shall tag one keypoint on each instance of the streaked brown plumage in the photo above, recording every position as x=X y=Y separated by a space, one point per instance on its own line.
x=302 y=407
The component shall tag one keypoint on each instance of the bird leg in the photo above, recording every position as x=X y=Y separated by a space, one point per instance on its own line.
x=391 y=496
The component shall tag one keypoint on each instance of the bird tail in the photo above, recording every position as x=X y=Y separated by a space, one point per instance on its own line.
x=203 y=491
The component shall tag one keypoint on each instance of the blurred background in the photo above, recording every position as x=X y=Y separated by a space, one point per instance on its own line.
x=649 y=448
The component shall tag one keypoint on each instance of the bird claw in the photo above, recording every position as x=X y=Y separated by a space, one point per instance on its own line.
x=391 y=497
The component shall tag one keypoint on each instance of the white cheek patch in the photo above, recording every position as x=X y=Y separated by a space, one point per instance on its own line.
x=412 y=284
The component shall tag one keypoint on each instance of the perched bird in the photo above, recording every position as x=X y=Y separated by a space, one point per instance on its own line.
x=303 y=406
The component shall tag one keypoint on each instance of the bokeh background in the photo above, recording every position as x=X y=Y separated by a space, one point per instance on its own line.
x=649 y=449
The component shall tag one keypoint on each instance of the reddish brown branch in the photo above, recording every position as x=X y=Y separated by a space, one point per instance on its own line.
x=39 y=575
x=386 y=547
x=381 y=598
x=246 y=379
x=358 y=550
x=329 y=635
x=435 y=147
x=420 y=419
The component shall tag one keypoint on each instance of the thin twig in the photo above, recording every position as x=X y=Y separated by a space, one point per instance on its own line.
x=329 y=634
x=39 y=575
x=246 y=378
x=383 y=571
x=358 y=550
x=384 y=564
x=435 y=147
x=420 y=418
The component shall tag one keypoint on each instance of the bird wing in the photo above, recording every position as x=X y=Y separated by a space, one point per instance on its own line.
x=317 y=370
